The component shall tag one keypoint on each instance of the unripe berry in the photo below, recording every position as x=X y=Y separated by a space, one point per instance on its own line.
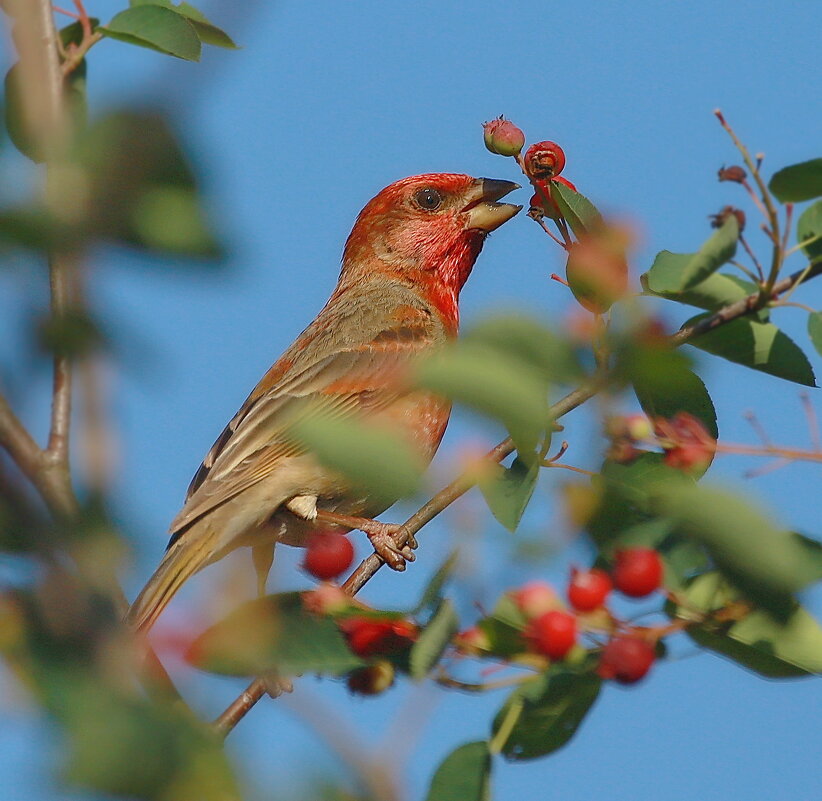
x=638 y=571
x=553 y=634
x=472 y=641
x=503 y=137
x=544 y=160
x=588 y=589
x=327 y=555
x=326 y=599
x=535 y=598
x=371 y=680
x=597 y=272
x=626 y=659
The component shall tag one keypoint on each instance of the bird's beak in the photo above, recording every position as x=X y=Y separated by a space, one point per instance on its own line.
x=484 y=213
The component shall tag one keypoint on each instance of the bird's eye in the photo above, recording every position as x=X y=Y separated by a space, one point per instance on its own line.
x=428 y=199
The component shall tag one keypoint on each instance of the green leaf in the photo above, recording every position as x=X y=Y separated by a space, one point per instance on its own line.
x=798 y=182
x=713 y=292
x=524 y=338
x=580 y=213
x=815 y=330
x=372 y=457
x=494 y=383
x=674 y=273
x=208 y=32
x=551 y=708
x=157 y=28
x=463 y=775
x=761 y=346
x=765 y=561
x=507 y=490
x=809 y=226
x=432 y=594
x=505 y=627
x=273 y=633
x=680 y=390
x=776 y=648
x=433 y=640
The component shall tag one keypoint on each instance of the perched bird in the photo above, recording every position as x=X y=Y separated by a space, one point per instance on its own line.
x=404 y=264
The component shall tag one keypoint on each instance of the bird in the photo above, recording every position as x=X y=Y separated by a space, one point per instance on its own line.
x=404 y=263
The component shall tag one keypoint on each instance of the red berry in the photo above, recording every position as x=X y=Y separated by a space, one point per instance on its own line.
x=588 y=589
x=638 y=571
x=328 y=555
x=368 y=636
x=553 y=634
x=544 y=160
x=371 y=680
x=535 y=598
x=626 y=659
x=547 y=206
x=503 y=137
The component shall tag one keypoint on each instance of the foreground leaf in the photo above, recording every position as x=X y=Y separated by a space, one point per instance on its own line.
x=507 y=490
x=546 y=712
x=157 y=28
x=273 y=633
x=767 y=562
x=809 y=229
x=463 y=775
x=433 y=640
x=769 y=646
x=798 y=182
x=761 y=346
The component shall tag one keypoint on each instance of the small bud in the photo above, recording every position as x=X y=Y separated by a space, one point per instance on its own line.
x=734 y=173
x=503 y=137
x=717 y=220
x=535 y=598
x=544 y=160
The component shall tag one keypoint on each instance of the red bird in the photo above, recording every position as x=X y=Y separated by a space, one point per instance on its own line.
x=410 y=252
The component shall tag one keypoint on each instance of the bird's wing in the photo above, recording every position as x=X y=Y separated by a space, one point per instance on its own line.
x=359 y=376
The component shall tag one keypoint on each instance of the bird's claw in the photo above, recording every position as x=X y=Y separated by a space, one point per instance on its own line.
x=276 y=685
x=381 y=536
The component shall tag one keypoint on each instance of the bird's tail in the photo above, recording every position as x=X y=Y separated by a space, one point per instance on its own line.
x=182 y=560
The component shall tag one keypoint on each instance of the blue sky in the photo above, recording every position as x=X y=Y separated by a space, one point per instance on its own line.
x=327 y=103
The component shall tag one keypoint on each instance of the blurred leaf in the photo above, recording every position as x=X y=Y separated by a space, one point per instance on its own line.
x=157 y=28
x=678 y=390
x=815 y=330
x=142 y=189
x=494 y=383
x=433 y=640
x=505 y=628
x=463 y=775
x=761 y=346
x=172 y=220
x=526 y=339
x=507 y=490
x=798 y=182
x=769 y=646
x=718 y=289
x=432 y=594
x=72 y=334
x=580 y=213
x=767 y=562
x=273 y=633
x=808 y=226
x=551 y=708
x=25 y=140
x=373 y=457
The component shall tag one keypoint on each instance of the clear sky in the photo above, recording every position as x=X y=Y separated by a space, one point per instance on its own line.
x=328 y=102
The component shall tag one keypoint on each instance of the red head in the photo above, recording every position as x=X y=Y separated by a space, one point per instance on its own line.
x=427 y=230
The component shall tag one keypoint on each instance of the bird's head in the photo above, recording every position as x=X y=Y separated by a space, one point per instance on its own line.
x=427 y=229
